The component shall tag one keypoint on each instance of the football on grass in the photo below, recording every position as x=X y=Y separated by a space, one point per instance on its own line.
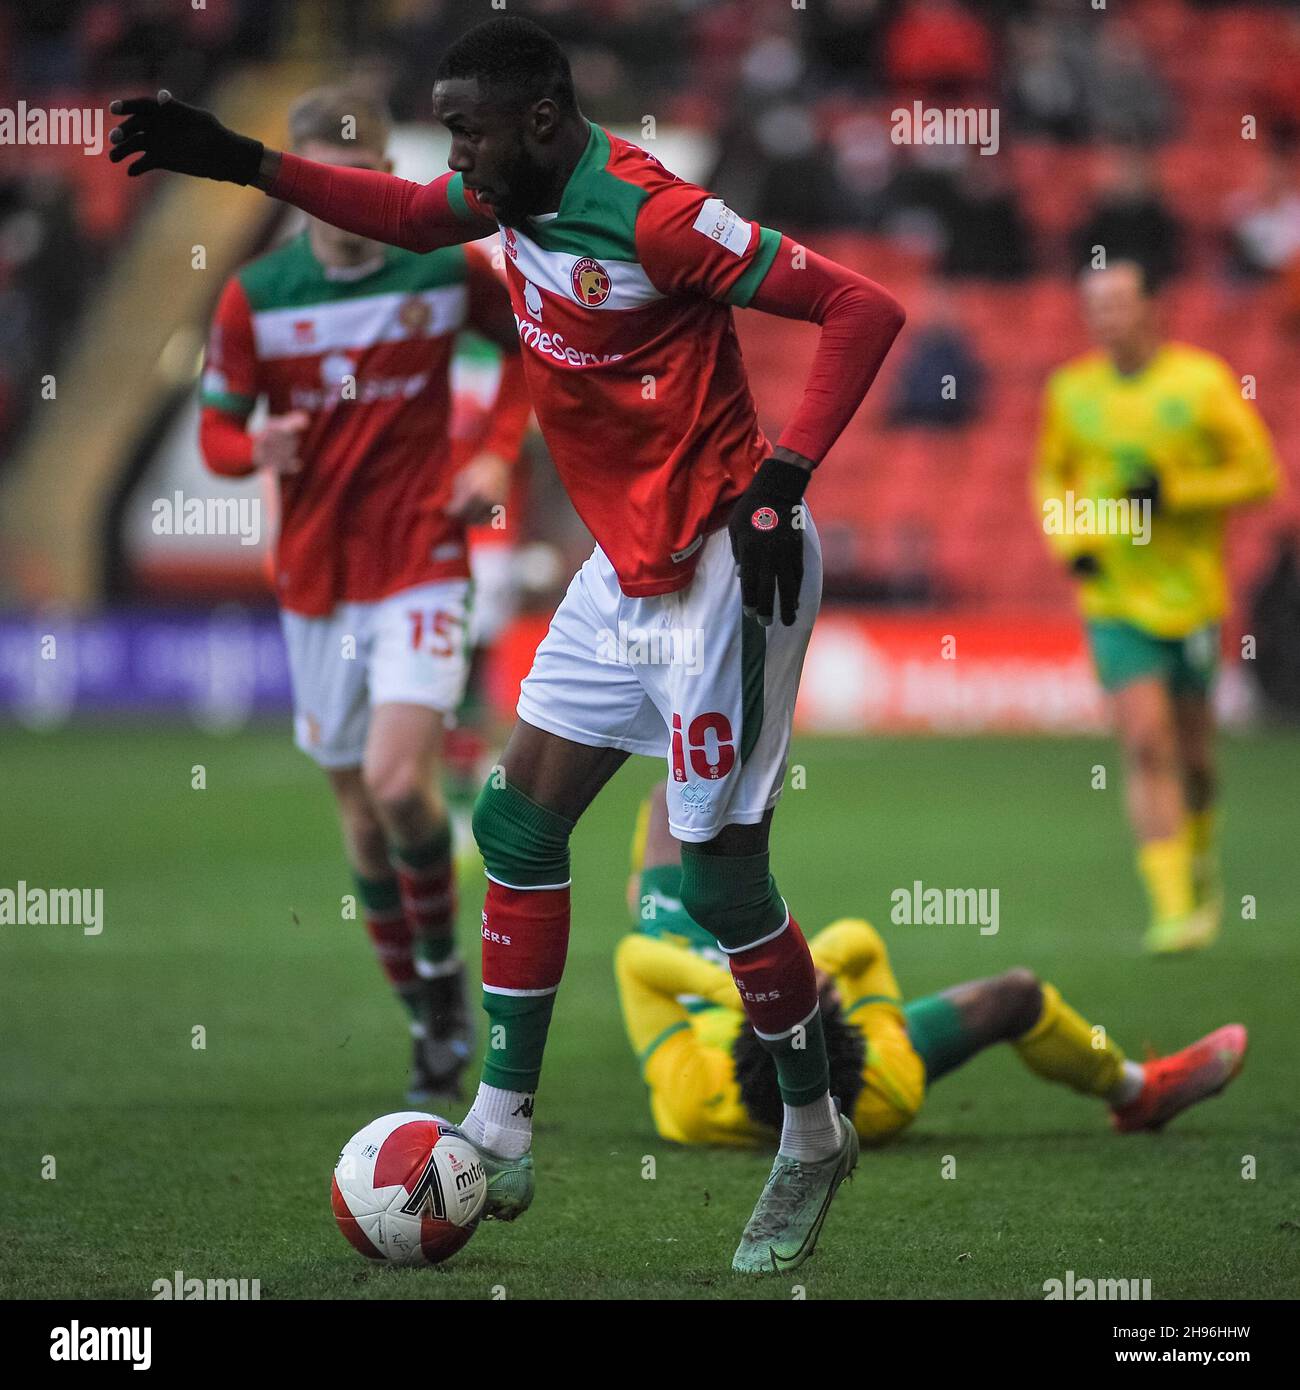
x=408 y=1189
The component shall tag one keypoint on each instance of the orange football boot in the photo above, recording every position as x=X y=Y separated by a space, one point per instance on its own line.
x=1173 y=1083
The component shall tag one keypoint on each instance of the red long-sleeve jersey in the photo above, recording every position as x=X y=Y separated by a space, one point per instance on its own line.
x=367 y=358
x=623 y=302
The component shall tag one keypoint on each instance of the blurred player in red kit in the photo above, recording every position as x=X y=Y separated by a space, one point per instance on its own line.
x=350 y=344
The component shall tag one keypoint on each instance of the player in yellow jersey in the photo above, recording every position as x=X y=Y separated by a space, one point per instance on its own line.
x=711 y=1081
x=1146 y=445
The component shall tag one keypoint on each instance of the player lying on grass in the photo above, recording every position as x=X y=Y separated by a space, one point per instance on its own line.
x=711 y=1082
x=623 y=279
x=1166 y=428
x=349 y=343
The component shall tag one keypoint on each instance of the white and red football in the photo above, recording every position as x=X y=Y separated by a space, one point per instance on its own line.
x=409 y=1189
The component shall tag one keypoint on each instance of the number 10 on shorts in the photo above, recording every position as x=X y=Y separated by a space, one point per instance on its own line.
x=711 y=758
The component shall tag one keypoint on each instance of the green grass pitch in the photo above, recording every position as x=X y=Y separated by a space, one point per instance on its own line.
x=222 y=911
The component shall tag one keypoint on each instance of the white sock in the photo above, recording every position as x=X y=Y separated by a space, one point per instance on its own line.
x=501 y=1121
x=1129 y=1086
x=811 y=1132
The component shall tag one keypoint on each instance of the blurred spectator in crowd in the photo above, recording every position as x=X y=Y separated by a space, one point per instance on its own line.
x=627 y=55
x=1127 y=101
x=863 y=161
x=146 y=41
x=1278 y=90
x=939 y=50
x=844 y=42
x=55 y=220
x=940 y=381
x=775 y=163
x=1045 y=79
x=774 y=159
x=42 y=268
x=986 y=233
x=42 y=40
x=1264 y=220
x=1130 y=221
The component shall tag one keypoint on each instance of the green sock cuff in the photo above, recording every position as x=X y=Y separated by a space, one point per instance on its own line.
x=433 y=950
x=523 y=844
x=517 y=1027
x=803 y=1074
x=663 y=880
x=378 y=894
x=661 y=895
x=935 y=1030
x=424 y=855
x=732 y=896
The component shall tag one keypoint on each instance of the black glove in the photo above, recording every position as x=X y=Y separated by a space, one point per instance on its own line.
x=1085 y=566
x=186 y=139
x=1146 y=489
x=767 y=542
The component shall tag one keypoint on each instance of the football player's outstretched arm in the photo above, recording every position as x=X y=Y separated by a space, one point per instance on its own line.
x=170 y=134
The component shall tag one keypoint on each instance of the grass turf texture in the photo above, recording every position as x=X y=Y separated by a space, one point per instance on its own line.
x=222 y=909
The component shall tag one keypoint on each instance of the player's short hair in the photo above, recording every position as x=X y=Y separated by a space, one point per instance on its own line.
x=756 y=1070
x=515 y=59
x=340 y=115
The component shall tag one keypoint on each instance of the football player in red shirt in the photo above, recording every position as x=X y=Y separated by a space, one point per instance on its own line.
x=623 y=279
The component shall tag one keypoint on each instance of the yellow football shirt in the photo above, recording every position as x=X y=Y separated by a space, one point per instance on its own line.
x=686 y=1055
x=1183 y=418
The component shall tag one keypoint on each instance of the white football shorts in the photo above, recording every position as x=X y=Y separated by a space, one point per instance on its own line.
x=681 y=676
x=409 y=648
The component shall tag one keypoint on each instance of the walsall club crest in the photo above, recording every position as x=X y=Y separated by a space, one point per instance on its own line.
x=590 y=281
x=414 y=315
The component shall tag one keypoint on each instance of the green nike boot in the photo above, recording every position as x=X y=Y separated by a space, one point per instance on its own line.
x=510 y=1185
x=783 y=1231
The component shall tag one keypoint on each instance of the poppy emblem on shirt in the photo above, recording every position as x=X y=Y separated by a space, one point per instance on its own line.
x=304 y=330
x=590 y=280
x=414 y=315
